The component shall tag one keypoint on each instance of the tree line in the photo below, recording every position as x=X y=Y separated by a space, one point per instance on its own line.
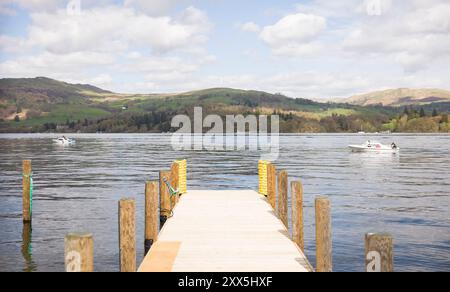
x=159 y=121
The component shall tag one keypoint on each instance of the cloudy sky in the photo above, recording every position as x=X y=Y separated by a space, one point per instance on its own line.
x=313 y=48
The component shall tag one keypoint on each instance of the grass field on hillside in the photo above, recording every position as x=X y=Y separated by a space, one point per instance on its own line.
x=62 y=113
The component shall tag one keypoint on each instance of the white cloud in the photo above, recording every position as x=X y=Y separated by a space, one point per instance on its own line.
x=108 y=39
x=309 y=84
x=164 y=65
x=294 y=34
x=40 y=5
x=250 y=27
x=430 y=20
x=295 y=50
x=11 y=44
x=313 y=84
x=50 y=5
x=153 y=7
x=375 y=7
x=161 y=73
x=102 y=80
x=317 y=84
x=94 y=30
x=331 y=9
x=411 y=34
x=144 y=46
x=49 y=64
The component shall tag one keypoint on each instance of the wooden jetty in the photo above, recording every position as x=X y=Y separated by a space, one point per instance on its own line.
x=218 y=231
x=224 y=231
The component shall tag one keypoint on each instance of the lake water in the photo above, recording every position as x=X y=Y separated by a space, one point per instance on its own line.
x=77 y=189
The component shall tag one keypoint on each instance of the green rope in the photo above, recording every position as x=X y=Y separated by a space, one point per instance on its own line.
x=31 y=196
x=172 y=193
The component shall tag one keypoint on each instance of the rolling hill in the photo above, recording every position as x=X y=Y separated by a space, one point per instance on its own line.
x=46 y=99
x=399 y=97
x=43 y=89
x=45 y=105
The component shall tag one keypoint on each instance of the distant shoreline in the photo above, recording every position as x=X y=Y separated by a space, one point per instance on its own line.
x=246 y=134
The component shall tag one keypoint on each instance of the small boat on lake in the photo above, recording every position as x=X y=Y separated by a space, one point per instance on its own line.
x=64 y=141
x=374 y=146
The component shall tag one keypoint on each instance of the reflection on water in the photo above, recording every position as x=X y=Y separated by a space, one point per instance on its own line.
x=76 y=188
x=27 y=250
x=384 y=160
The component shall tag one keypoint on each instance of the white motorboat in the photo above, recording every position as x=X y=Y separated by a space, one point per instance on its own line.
x=64 y=141
x=374 y=146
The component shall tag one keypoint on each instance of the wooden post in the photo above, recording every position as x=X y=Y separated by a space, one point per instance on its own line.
x=324 y=256
x=379 y=254
x=164 y=197
x=297 y=214
x=283 y=197
x=151 y=215
x=79 y=253
x=26 y=245
x=27 y=199
x=272 y=185
x=174 y=176
x=127 y=235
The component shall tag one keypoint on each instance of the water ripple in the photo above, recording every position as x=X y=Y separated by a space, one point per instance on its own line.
x=77 y=189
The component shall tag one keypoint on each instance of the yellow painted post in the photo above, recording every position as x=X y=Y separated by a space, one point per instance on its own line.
x=262 y=173
x=182 y=176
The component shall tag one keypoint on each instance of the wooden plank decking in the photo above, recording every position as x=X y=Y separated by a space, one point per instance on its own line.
x=224 y=231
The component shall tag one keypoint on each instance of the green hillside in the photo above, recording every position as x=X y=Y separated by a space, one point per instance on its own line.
x=43 y=89
x=400 y=97
x=46 y=105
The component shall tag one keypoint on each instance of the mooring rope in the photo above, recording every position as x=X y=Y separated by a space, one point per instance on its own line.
x=172 y=193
